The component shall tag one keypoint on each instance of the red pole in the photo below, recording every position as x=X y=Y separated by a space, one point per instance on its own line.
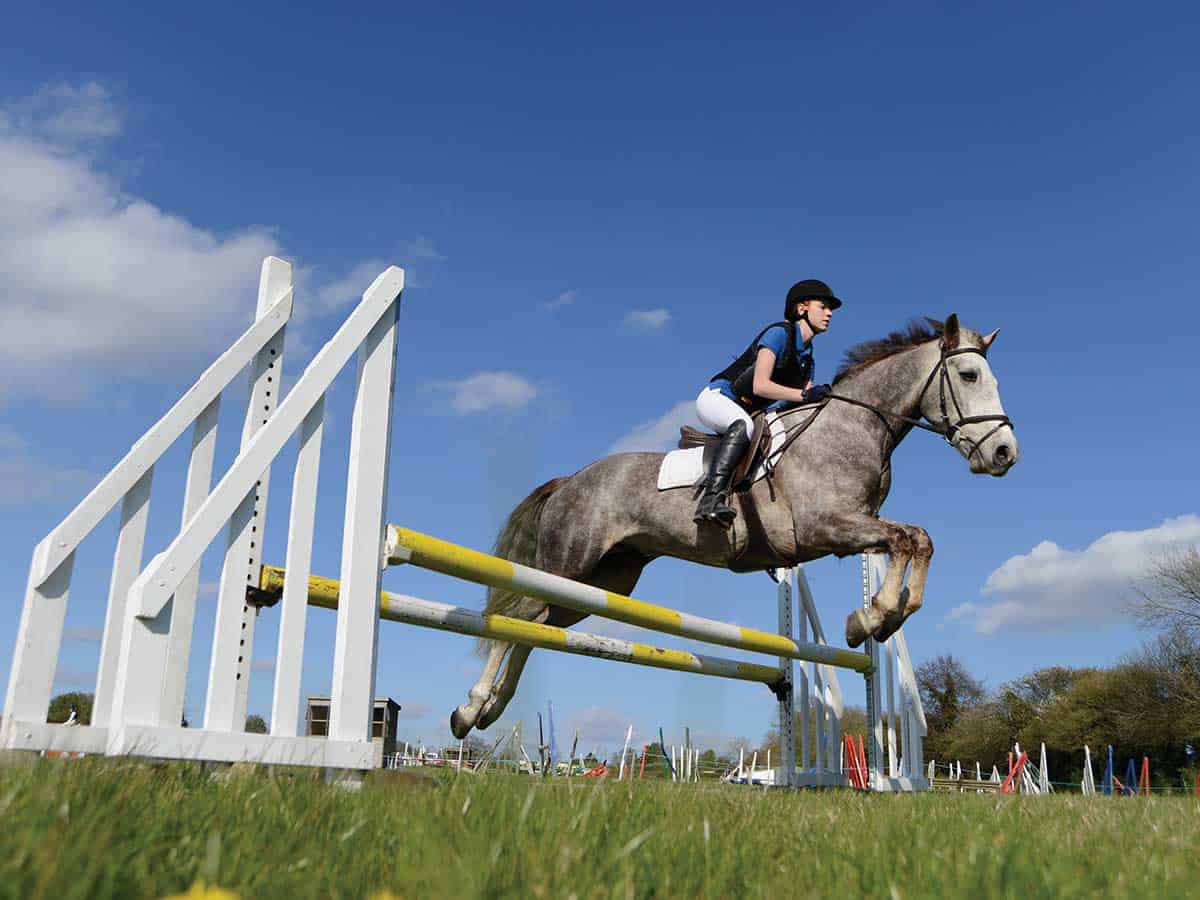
x=1144 y=780
x=1007 y=787
x=854 y=765
x=642 y=767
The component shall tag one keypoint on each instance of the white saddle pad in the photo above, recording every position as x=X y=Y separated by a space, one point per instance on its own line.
x=685 y=468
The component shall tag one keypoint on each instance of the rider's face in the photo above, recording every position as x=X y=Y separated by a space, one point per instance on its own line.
x=819 y=315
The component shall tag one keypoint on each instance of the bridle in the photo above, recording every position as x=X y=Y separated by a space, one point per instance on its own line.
x=948 y=430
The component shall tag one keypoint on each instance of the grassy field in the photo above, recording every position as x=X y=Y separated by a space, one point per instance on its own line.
x=101 y=828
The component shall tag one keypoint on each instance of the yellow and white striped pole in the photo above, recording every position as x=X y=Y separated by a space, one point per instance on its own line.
x=444 y=617
x=406 y=546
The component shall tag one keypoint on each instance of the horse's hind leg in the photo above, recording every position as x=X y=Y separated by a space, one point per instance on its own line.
x=463 y=719
x=506 y=687
x=617 y=571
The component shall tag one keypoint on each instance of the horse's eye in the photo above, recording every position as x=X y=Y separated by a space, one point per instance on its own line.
x=970 y=376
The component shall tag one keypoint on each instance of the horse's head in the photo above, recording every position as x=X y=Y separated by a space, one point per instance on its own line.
x=963 y=397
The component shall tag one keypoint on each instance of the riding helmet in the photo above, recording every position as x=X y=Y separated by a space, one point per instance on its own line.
x=809 y=289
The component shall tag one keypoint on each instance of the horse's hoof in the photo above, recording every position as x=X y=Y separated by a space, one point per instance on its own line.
x=856 y=628
x=459 y=726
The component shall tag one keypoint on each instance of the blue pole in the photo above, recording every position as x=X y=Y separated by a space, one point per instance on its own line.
x=662 y=744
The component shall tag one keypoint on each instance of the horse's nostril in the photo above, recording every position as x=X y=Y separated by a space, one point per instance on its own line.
x=1002 y=454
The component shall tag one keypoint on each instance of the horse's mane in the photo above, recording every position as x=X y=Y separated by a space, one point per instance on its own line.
x=862 y=355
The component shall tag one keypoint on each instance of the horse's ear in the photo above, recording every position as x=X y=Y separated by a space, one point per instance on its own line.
x=987 y=341
x=950 y=334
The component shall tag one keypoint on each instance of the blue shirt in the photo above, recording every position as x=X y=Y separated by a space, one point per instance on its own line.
x=775 y=340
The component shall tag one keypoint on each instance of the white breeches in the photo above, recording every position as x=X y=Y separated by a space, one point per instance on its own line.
x=718 y=412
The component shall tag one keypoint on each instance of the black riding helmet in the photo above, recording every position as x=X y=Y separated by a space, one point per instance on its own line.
x=808 y=289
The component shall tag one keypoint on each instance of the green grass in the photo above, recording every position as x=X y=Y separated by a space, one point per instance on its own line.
x=103 y=828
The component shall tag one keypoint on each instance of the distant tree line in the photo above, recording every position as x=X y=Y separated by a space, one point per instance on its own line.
x=1148 y=704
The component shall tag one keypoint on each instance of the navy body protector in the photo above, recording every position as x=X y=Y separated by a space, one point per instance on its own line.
x=791 y=369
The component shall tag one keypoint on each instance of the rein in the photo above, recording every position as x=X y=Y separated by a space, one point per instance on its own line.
x=946 y=429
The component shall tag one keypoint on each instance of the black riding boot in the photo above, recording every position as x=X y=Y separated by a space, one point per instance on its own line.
x=712 y=506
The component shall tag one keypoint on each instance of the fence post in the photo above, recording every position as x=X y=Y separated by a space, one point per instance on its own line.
x=874 y=719
x=356 y=642
x=787 y=694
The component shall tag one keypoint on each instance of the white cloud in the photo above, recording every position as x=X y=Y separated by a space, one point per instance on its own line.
x=658 y=434
x=68 y=113
x=94 y=277
x=420 y=258
x=421 y=248
x=25 y=481
x=414 y=711
x=566 y=298
x=98 y=284
x=1051 y=588
x=347 y=290
x=488 y=391
x=10 y=440
x=598 y=724
x=647 y=319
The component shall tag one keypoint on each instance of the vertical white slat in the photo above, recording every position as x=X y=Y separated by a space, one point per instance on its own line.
x=356 y=641
x=819 y=715
x=289 y=658
x=914 y=713
x=230 y=644
x=906 y=756
x=39 y=637
x=233 y=635
x=892 y=756
x=127 y=562
x=183 y=608
x=835 y=729
x=137 y=699
x=805 y=691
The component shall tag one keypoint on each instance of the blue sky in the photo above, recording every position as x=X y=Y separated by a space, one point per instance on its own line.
x=597 y=209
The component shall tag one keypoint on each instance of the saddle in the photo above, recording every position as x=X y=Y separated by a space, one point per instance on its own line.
x=760 y=444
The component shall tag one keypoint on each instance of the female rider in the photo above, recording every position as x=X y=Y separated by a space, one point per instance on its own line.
x=775 y=369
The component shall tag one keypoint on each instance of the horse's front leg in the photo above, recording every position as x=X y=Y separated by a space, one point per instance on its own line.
x=849 y=534
x=914 y=596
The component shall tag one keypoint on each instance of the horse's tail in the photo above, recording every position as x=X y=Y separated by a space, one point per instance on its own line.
x=518 y=542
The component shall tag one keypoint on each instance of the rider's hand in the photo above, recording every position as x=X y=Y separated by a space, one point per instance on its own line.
x=817 y=393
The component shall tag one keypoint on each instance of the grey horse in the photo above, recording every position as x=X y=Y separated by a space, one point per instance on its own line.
x=602 y=525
